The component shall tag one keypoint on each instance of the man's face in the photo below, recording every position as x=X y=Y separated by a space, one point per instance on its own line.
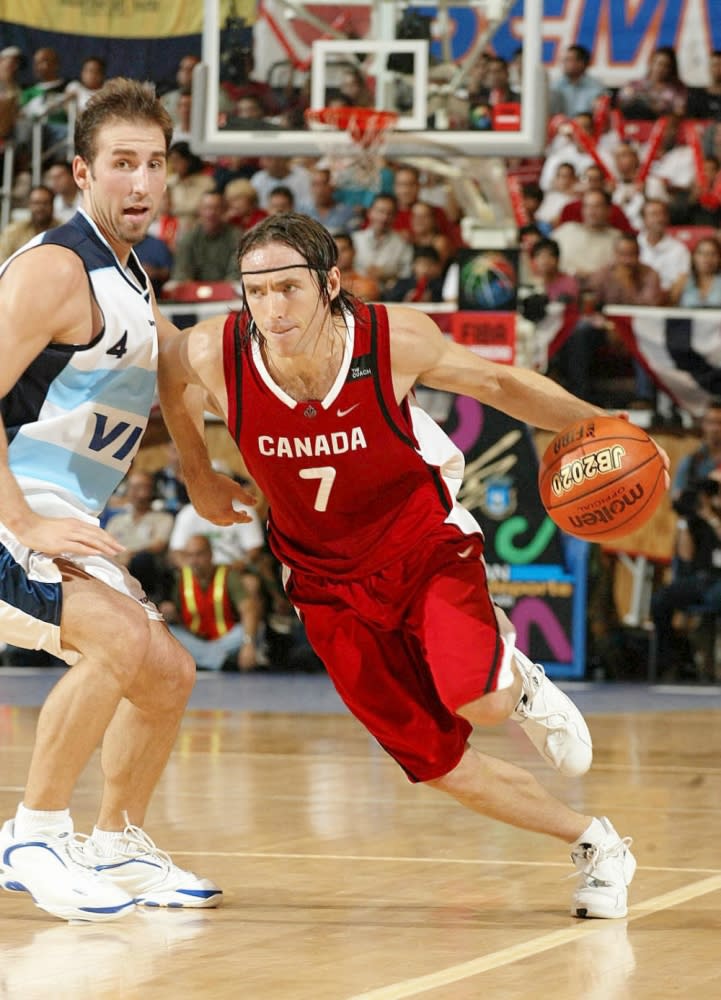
x=41 y=209
x=199 y=556
x=627 y=254
x=655 y=218
x=140 y=492
x=60 y=180
x=124 y=185
x=406 y=188
x=45 y=65
x=381 y=215
x=210 y=212
x=545 y=263
x=572 y=66
x=284 y=300
x=595 y=210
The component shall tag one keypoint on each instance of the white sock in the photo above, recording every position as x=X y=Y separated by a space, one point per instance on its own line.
x=107 y=841
x=32 y=821
x=595 y=833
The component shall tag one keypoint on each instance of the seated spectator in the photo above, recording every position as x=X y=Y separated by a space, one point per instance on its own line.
x=144 y=532
x=68 y=197
x=165 y=226
x=380 y=252
x=669 y=257
x=424 y=232
x=16 y=234
x=215 y=611
x=92 y=77
x=169 y=482
x=208 y=251
x=624 y=281
x=705 y=460
x=705 y=201
x=157 y=261
x=593 y=179
x=589 y=244
x=280 y=200
x=575 y=91
x=497 y=90
x=45 y=98
x=628 y=190
x=562 y=191
x=661 y=92
x=187 y=184
x=241 y=199
x=238 y=545
x=705 y=102
x=407 y=191
x=10 y=89
x=528 y=237
x=181 y=132
x=353 y=89
x=324 y=208
x=183 y=81
x=425 y=284
x=697 y=571
x=703 y=285
x=280 y=170
x=360 y=285
x=548 y=278
x=566 y=147
x=673 y=172
x=532 y=197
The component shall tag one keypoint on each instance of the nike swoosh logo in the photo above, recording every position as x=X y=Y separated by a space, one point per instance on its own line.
x=344 y=413
x=466 y=552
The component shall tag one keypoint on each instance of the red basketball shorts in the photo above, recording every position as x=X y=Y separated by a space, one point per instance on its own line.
x=408 y=646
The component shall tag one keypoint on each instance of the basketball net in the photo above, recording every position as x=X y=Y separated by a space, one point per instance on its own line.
x=356 y=163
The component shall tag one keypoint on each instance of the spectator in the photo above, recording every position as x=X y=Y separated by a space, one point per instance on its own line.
x=145 y=534
x=624 y=281
x=425 y=284
x=575 y=91
x=215 y=611
x=665 y=254
x=232 y=168
x=705 y=461
x=241 y=199
x=169 y=482
x=92 y=77
x=628 y=190
x=68 y=198
x=424 y=232
x=187 y=184
x=705 y=203
x=45 y=97
x=549 y=279
x=593 y=179
x=705 y=102
x=280 y=200
x=407 y=191
x=380 y=252
x=279 y=170
x=360 y=285
x=566 y=147
x=16 y=234
x=673 y=173
x=497 y=89
x=588 y=245
x=353 y=88
x=703 y=285
x=208 y=251
x=334 y=215
x=532 y=197
x=157 y=261
x=10 y=90
x=561 y=192
x=659 y=93
x=166 y=225
x=181 y=132
x=183 y=79
x=237 y=545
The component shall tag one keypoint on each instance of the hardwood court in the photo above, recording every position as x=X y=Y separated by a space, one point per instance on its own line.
x=344 y=882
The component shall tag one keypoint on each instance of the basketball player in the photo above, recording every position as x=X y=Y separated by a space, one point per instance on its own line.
x=79 y=344
x=385 y=569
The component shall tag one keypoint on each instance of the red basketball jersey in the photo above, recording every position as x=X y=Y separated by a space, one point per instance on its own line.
x=348 y=488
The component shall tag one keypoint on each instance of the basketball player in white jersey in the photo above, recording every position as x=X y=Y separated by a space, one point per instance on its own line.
x=384 y=567
x=78 y=350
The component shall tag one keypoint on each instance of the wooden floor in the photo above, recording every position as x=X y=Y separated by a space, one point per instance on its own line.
x=343 y=881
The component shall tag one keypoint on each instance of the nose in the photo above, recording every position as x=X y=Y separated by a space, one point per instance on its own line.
x=140 y=178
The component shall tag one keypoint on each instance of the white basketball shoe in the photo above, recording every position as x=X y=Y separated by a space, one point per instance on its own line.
x=605 y=869
x=148 y=874
x=551 y=721
x=44 y=866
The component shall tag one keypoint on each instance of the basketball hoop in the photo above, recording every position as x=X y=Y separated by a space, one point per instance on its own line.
x=358 y=162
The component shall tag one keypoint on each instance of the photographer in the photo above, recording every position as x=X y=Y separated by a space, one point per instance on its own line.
x=697 y=570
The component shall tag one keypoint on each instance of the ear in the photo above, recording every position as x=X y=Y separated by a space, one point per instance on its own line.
x=333 y=282
x=81 y=173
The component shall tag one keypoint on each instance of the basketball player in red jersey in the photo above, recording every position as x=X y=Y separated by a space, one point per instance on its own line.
x=384 y=567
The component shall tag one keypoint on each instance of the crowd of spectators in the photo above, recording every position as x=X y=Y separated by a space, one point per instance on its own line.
x=625 y=174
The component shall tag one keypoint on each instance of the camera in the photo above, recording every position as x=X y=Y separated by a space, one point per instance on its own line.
x=687 y=504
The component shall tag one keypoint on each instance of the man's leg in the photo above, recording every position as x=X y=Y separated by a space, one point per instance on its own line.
x=511 y=795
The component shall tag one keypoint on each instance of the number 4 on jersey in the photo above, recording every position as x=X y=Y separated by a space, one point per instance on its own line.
x=120 y=347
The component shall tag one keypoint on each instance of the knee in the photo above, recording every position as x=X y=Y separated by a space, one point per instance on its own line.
x=169 y=678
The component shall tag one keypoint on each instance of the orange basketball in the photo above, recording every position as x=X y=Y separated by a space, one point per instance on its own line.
x=601 y=478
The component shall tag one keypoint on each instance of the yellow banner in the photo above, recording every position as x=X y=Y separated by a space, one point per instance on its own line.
x=121 y=18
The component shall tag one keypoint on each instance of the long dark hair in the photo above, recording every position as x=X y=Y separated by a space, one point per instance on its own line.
x=313 y=242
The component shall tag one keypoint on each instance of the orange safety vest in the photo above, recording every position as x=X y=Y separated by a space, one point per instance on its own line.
x=207 y=613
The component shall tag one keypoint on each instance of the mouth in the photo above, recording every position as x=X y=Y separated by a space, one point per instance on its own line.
x=136 y=212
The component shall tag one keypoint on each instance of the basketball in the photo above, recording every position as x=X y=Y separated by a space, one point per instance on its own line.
x=601 y=478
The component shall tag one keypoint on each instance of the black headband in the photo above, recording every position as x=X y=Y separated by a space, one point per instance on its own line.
x=287 y=267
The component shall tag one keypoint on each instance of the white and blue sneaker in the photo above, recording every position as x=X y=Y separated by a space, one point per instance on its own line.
x=551 y=721
x=44 y=866
x=148 y=874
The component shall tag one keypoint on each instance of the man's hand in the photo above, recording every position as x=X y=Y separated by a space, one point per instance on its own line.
x=220 y=499
x=59 y=535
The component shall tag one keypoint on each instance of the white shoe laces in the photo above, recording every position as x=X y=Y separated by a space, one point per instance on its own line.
x=586 y=857
x=134 y=843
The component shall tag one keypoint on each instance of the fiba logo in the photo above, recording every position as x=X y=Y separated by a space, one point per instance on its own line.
x=488 y=281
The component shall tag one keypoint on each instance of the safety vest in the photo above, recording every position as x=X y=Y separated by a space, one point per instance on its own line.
x=207 y=613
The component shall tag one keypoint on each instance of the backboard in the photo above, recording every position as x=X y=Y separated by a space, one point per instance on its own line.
x=417 y=61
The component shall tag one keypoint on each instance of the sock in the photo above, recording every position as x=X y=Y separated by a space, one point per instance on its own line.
x=594 y=833
x=107 y=842
x=29 y=822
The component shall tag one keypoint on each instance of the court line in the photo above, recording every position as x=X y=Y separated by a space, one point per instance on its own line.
x=556 y=939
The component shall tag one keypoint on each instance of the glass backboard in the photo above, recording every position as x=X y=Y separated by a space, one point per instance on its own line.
x=263 y=64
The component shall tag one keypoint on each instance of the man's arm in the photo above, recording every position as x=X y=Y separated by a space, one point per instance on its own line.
x=191 y=380
x=30 y=319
